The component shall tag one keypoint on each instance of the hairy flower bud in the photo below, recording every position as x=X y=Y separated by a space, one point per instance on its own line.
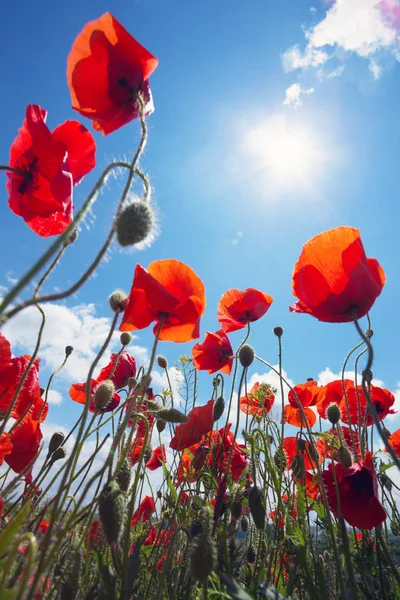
x=152 y=405
x=103 y=394
x=162 y=362
x=125 y=338
x=196 y=528
x=219 y=407
x=203 y=556
x=71 y=238
x=278 y=331
x=244 y=523
x=112 y=510
x=246 y=355
x=161 y=425
x=56 y=441
x=333 y=413
x=236 y=510
x=257 y=507
x=301 y=445
x=298 y=467
x=118 y=301
x=59 y=454
x=69 y=350
x=251 y=555
x=367 y=375
x=172 y=415
x=344 y=457
x=280 y=459
x=134 y=223
x=395 y=526
x=148 y=451
x=132 y=383
x=123 y=477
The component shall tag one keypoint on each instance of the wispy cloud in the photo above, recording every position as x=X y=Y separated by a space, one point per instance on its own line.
x=294 y=93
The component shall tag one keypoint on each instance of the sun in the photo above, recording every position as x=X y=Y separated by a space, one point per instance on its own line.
x=288 y=154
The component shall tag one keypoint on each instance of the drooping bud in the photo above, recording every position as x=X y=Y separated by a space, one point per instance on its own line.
x=333 y=413
x=257 y=507
x=344 y=457
x=71 y=238
x=205 y=517
x=162 y=362
x=313 y=453
x=132 y=383
x=196 y=528
x=298 y=467
x=278 y=331
x=236 y=510
x=103 y=394
x=327 y=556
x=112 y=510
x=161 y=425
x=159 y=494
x=280 y=459
x=59 y=454
x=301 y=445
x=395 y=526
x=56 y=441
x=118 y=301
x=125 y=338
x=246 y=355
x=134 y=223
x=148 y=451
x=219 y=407
x=69 y=350
x=367 y=375
x=203 y=556
x=251 y=555
x=244 y=523
x=123 y=477
x=172 y=415
x=152 y=405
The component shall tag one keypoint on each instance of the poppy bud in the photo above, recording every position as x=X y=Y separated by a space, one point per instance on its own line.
x=216 y=382
x=395 y=526
x=301 y=445
x=118 y=301
x=344 y=457
x=298 y=467
x=56 y=441
x=152 y=405
x=59 y=454
x=367 y=375
x=280 y=459
x=246 y=355
x=71 y=238
x=219 y=407
x=236 y=510
x=244 y=523
x=134 y=223
x=162 y=362
x=103 y=394
x=203 y=556
x=278 y=331
x=196 y=528
x=251 y=555
x=257 y=507
x=313 y=453
x=148 y=451
x=69 y=350
x=321 y=561
x=369 y=333
x=386 y=431
x=205 y=518
x=172 y=415
x=125 y=338
x=132 y=383
x=123 y=476
x=112 y=510
x=161 y=425
x=327 y=556
x=333 y=413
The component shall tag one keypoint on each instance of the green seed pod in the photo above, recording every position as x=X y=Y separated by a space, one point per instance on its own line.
x=395 y=526
x=134 y=223
x=152 y=405
x=148 y=451
x=123 y=477
x=112 y=510
x=69 y=350
x=333 y=413
x=125 y=338
x=280 y=459
x=278 y=331
x=236 y=510
x=246 y=355
x=103 y=394
x=59 y=454
x=257 y=507
x=205 y=517
x=118 y=301
x=161 y=425
x=56 y=441
x=203 y=557
x=172 y=415
x=301 y=445
x=298 y=466
x=219 y=407
x=344 y=457
x=162 y=362
x=244 y=523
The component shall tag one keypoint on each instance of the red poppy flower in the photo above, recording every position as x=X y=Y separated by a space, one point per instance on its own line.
x=145 y=510
x=25 y=438
x=77 y=392
x=157 y=459
x=6 y=446
x=258 y=401
x=200 y=420
x=222 y=441
x=191 y=461
x=307 y=394
x=381 y=398
x=124 y=369
x=135 y=451
x=43 y=526
x=214 y=354
x=358 y=493
x=151 y=538
x=331 y=440
x=394 y=441
x=291 y=450
x=334 y=279
x=52 y=163
x=107 y=69
x=168 y=292
x=236 y=308
x=331 y=393
x=184 y=498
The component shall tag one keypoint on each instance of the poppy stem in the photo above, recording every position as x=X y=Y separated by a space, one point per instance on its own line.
x=367 y=395
x=12 y=170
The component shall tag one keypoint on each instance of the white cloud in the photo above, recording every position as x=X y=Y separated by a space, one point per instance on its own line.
x=294 y=93
x=294 y=59
x=54 y=397
x=375 y=69
x=327 y=375
x=336 y=72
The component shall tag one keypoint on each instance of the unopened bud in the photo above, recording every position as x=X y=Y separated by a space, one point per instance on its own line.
x=132 y=383
x=203 y=557
x=395 y=526
x=219 y=407
x=369 y=333
x=280 y=459
x=251 y=555
x=301 y=445
x=134 y=223
x=367 y=375
x=118 y=301
x=69 y=350
x=162 y=362
x=333 y=413
x=56 y=441
x=159 y=494
x=327 y=556
x=148 y=451
x=112 y=510
x=125 y=338
x=161 y=425
x=244 y=523
x=257 y=507
x=196 y=528
x=278 y=331
x=246 y=355
x=123 y=477
x=344 y=457
x=298 y=467
x=59 y=454
x=71 y=238
x=172 y=415
x=236 y=510
x=152 y=405
x=103 y=394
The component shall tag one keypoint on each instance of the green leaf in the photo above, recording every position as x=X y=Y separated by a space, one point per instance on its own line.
x=10 y=531
x=385 y=466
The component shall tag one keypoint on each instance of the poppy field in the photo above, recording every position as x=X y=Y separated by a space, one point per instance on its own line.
x=204 y=493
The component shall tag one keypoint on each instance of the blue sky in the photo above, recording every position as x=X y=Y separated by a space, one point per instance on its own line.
x=274 y=121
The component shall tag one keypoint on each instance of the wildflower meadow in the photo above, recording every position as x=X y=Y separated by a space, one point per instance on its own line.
x=217 y=484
